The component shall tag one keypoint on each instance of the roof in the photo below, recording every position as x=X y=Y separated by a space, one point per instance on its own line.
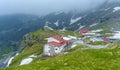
x=60 y=39
x=106 y=39
x=56 y=44
x=57 y=38
x=84 y=31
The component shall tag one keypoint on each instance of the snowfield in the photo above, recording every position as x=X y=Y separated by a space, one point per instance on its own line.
x=28 y=60
x=74 y=20
x=116 y=9
x=10 y=59
x=57 y=23
x=74 y=45
x=94 y=24
x=96 y=31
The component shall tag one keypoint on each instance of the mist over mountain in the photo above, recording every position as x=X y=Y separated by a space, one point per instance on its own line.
x=40 y=7
x=71 y=15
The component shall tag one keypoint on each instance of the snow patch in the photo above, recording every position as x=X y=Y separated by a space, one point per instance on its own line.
x=116 y=9
x=72 y=21
x=65 y=52
x=74 y=45
x=10 y=60
x=57 y=23
x=32 y=56
x=79 y=28
x=96 y=31
x=26 y=61
x=94 y=24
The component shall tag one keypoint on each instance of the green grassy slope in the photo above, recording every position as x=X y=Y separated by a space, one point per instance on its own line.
x=34 y=43
x=77 y=59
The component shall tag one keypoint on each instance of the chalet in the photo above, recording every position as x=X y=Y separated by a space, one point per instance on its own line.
x=55 y=45
x=115 y=37
x=112 y=39
x=106 y=39
x=84 y=31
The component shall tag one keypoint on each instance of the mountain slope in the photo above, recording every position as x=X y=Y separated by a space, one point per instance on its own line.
x=14 y=27
x=34 y=43
x=79 y=57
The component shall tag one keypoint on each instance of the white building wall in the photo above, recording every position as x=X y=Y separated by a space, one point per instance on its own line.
x=56 y=49
x=47 y=49
x=59 y=49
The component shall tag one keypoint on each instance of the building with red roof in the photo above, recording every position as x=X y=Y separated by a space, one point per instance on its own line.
x=55 y=45
x=84 y=31
x=106 y=39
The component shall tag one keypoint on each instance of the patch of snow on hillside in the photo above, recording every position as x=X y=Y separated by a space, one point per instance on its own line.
x=72 y=21
x=17 y=54
x=57 y=23
x=96 y=31
x=26 y=61
x=74 y=45
x=10 y=60
x=32 y=56
x=80 y=28
x=116 y=9
x=94 y=24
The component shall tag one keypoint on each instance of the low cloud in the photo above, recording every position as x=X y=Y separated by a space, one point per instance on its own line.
x=39 y=7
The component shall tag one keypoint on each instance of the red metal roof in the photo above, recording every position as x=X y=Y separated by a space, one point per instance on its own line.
x=56 y=44
x=60 y=39
x=84 y=31
x=106 y=39
x=57 y=38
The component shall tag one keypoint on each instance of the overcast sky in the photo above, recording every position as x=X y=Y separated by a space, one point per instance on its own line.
x=45 y=6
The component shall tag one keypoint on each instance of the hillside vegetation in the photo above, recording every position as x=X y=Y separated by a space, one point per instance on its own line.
x=78 y=58
x=33 y=43
x=112 y=24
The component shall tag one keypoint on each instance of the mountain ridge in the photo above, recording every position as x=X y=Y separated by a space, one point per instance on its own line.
x=18 y=25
